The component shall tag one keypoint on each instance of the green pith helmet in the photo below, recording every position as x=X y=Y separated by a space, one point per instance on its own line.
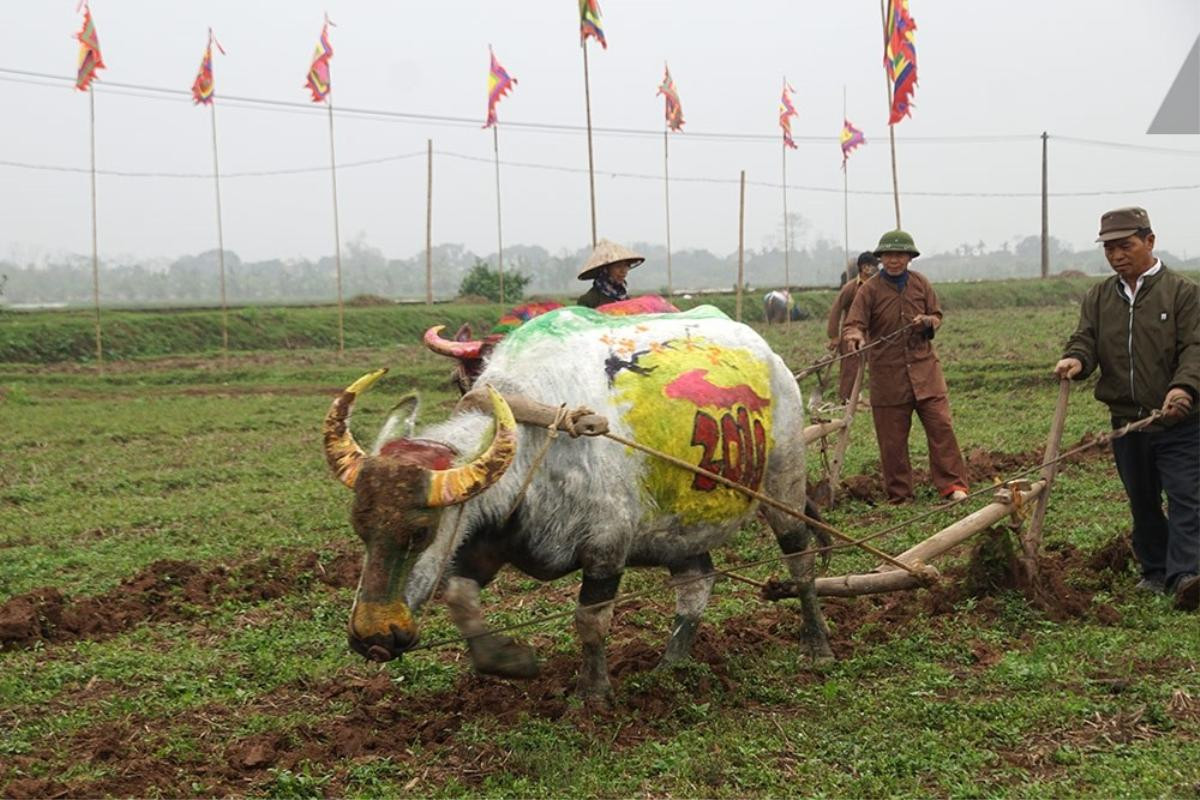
x=897 y=242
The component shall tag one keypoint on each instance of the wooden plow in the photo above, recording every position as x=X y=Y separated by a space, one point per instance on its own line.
x=1016 y=499
x=820 y=431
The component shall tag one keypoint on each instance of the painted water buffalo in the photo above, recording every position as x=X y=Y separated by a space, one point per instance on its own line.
x=695 y=385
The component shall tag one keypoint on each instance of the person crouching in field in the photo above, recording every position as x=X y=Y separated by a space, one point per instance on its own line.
x=868 y=265
x=1141 y=327
x=906 y=375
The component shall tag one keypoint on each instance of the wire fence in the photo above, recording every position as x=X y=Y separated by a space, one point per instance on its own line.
x=279 y=197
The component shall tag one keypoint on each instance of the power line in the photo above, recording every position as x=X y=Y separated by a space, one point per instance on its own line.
x=1144 y=148
x=162 y=93
x=580 y=170
x=255 y=173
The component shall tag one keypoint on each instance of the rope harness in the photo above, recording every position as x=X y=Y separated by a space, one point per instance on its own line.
x=923 y=573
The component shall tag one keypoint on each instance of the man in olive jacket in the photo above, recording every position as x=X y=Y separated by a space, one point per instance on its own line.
x=1141 y=327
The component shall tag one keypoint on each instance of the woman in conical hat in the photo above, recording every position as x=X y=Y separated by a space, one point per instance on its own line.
x=607 y=269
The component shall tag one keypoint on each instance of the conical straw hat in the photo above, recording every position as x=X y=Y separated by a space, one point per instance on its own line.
x=606 y=253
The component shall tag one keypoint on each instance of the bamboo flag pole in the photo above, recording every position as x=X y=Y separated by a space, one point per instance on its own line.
x=741 y=242
x=845 y=198
x=429 y=224
x=95 y=249
x=787 y=274
x=667 y=191
x=220 y=240
x=891 y=128
x=499 y=228
x=587 y=99
x=337 y=234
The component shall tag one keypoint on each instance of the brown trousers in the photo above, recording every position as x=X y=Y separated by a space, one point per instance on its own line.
x=849 y=366
x=946 y=465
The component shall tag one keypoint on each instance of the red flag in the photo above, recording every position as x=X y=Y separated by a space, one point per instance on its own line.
x=786 y=112
x=499 y=84
x=900 y=58
x=318 y=72
x=89 y=51
x=852 y=137
x=589 y=22
x=671 y=95
x=202 y=87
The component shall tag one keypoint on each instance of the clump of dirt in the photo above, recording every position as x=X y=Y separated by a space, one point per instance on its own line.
x=994 y=567
x=167 y=591
x=1116 y=556
x=368 y=300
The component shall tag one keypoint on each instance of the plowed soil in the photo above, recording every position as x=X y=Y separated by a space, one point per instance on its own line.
x=375 y=718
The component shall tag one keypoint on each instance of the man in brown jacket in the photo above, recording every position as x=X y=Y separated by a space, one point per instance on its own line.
x=906 y=376
x=868 y=265
x=1141 y=327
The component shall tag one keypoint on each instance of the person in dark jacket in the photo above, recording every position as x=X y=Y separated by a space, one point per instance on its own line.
x=607 y=269
x=1141 y=328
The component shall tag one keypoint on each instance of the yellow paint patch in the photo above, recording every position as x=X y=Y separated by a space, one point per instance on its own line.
x=377 y=619
x=707 y=405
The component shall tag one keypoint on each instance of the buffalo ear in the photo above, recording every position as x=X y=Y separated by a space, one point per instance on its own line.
x=403 y=415
x=463 y=334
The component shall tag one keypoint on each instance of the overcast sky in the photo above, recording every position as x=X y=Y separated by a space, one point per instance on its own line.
x=1087 y=69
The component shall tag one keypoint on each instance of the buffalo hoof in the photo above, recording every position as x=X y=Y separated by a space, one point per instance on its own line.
x=818 y=652
x=503 y=657
x=596 y=699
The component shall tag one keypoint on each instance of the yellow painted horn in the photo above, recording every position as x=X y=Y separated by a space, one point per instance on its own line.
x=449 y=487
x=342 y=452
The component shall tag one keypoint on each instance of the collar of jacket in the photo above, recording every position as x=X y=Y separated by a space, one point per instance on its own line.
x=1123 y=290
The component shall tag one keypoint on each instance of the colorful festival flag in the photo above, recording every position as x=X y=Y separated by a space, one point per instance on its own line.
x=852 y=137
x=589 y=22
x=89 y=52
x=202 y=87
x=900 y=58
x=671 y=96
x=786 y=112
x=499 y=84
x=318 y=73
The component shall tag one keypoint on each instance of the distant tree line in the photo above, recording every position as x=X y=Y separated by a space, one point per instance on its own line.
x=193 y=279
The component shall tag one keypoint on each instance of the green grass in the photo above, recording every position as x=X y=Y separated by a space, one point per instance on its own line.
x=186 y=459
x=44 y=337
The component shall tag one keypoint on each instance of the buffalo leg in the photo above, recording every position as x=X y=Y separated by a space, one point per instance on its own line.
x=693 y=578
x=785 y=482
x=592 y=618
x=491 y=654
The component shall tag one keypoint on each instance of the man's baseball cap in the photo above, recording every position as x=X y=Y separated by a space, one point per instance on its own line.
x=1122 y=222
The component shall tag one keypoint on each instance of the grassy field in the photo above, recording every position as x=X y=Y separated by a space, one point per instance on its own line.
x=176 y=570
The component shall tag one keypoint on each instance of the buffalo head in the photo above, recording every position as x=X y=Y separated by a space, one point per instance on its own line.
x=399 y=494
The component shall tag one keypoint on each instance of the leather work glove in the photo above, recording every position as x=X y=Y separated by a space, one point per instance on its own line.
x=853 y=340
x=1177 y=404
x=1070 y=367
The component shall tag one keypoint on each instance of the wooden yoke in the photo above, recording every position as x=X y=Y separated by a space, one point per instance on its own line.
x=581 y=421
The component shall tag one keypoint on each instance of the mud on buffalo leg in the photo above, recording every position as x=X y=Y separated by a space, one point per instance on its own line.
x=794 y=536
x=491 y=654
x=691 y=597
x=591 y=624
